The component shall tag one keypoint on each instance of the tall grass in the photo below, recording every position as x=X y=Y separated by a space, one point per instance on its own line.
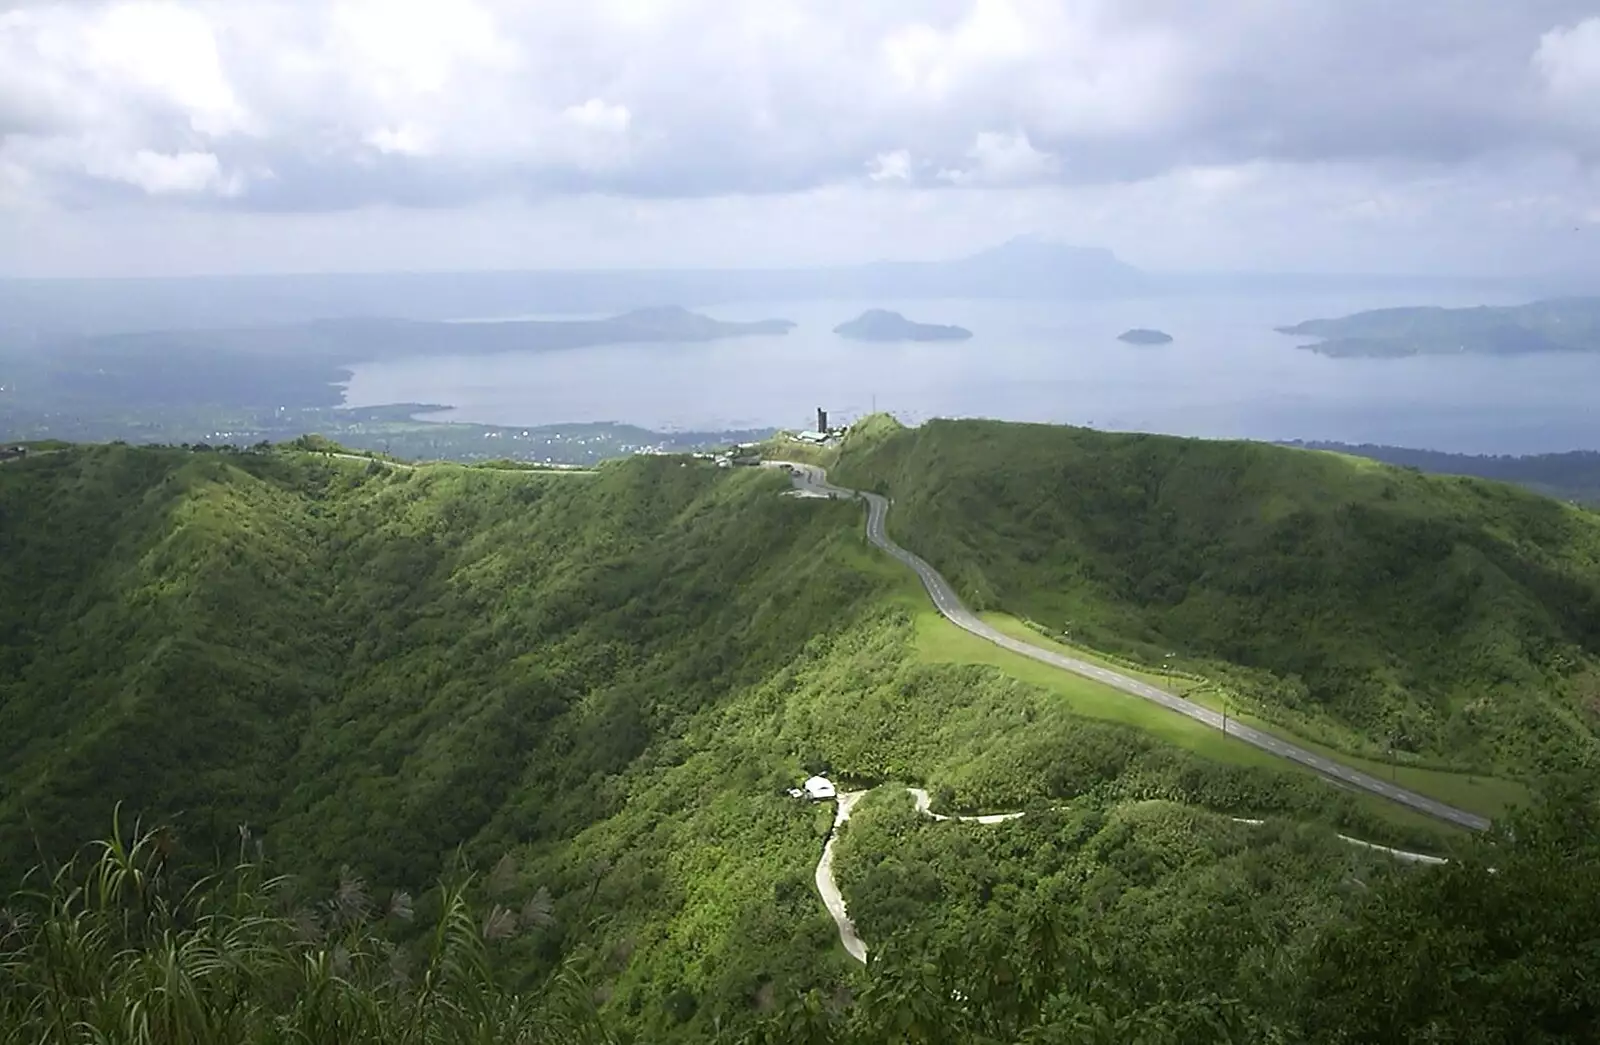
x=121 y=947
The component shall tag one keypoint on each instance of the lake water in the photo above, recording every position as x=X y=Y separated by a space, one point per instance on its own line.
x=1227 y=374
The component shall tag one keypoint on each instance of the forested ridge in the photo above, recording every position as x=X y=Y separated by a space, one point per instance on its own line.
x=520 y=743
x=1451 y=620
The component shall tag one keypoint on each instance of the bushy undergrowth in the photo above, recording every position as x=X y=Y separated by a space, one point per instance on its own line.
x=119 y=947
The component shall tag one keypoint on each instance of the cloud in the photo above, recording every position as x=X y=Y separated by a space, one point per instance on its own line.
x=407 y=139
x=325 y=105
x=161 y=174
x=1568 y=64
x=165 y=56
x=894 y=165
x=1003 y=159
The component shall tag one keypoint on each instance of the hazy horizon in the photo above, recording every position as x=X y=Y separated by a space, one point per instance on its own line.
x=1575 y=275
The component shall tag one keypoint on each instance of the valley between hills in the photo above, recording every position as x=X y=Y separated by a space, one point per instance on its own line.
x=542 y=726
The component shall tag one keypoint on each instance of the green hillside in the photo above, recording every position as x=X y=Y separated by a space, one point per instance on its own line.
x=1454 y=620
x=577 y=700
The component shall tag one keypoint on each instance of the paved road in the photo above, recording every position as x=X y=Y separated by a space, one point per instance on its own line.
x=813 y=479
x=833 y=899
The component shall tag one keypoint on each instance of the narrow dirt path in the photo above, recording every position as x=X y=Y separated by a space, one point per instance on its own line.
x=833 y=899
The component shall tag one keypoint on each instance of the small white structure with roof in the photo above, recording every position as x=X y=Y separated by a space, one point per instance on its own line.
x=820 y=787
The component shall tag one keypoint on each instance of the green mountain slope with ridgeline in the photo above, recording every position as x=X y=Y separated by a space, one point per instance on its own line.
x=593 y=690
x=1454 y=619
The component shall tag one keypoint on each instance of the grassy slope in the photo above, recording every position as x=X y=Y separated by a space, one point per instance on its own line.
x=1355 y=603
x=1489 y=795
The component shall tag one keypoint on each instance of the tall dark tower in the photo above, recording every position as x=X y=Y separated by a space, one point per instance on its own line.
x=822 y=420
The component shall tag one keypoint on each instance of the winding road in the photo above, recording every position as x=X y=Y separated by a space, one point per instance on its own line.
x=811 y=479
x=833 y=898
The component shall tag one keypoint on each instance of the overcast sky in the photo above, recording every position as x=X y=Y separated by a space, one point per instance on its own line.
x=180 y=136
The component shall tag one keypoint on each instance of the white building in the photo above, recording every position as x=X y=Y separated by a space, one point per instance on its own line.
x=820 y=787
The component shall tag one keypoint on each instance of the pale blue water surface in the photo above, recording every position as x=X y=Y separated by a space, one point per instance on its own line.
x=1227 y=374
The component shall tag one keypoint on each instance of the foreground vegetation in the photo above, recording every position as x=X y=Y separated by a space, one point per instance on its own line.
x=576 y=702
x=599 y=685
x=1142 y=923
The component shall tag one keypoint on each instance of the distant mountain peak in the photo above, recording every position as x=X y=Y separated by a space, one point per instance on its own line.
x=1032 y=246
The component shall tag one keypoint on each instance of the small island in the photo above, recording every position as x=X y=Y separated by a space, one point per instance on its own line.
x=1143 y=336
x=882 y=325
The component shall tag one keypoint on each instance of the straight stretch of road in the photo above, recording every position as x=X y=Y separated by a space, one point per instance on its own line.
x=812 y=479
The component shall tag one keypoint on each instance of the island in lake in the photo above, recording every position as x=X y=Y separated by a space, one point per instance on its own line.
x=1557 y=325
x=882 y=325
x=1142 y=336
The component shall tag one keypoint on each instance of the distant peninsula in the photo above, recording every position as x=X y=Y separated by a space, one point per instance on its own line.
x=878 y=324
x=1556 y=325
x=304 y=363
x=1143 y=336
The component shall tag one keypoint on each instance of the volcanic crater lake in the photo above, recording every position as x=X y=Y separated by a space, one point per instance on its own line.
x=1228 y=374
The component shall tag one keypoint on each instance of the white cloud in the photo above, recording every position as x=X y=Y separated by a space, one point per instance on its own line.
x=600 y=116
x=442 y=103
x=894 y=165
x=161 y=174
x=168 y=52
x=401 y=50
x=1003 y=159
x=406 y=140
x=1568 y=59
x=931 y=63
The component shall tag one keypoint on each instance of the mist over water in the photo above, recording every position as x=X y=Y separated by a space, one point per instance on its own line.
x=1227 y=374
